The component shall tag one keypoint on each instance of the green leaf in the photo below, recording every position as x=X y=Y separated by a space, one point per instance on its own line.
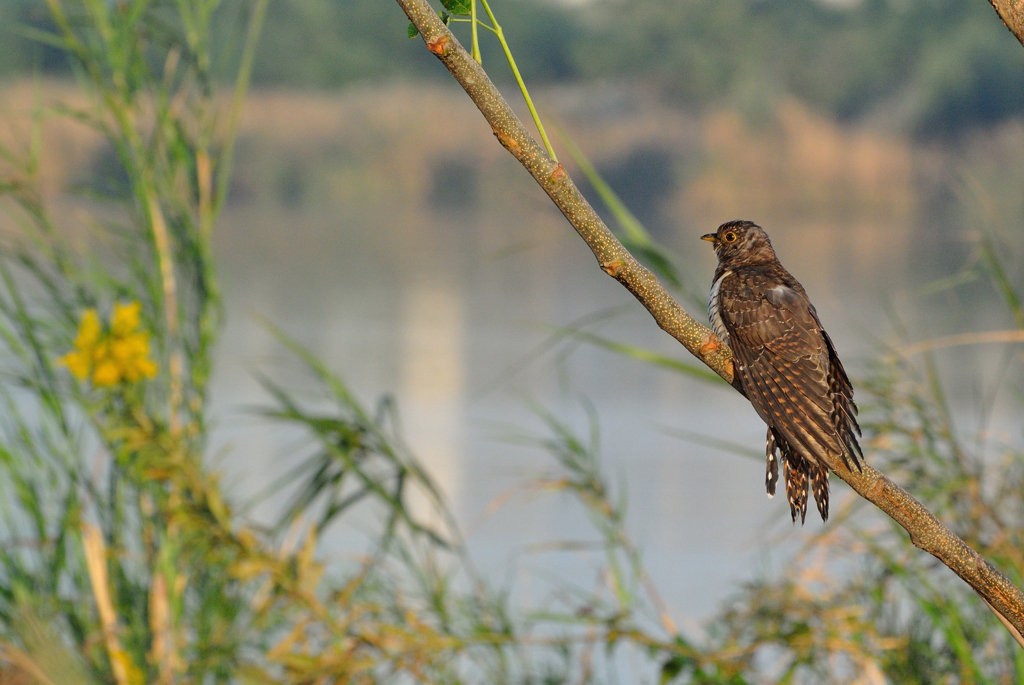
x=40 y=36
x=456 y=6
x=633 y=234
x=673 y=667
x=724 y=445
x=412 y=30
x=697 y=371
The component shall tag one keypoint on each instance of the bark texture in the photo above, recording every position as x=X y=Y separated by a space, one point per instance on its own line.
x=926 y=531
x=1012 y=14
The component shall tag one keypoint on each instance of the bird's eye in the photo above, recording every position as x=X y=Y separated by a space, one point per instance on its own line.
x=730 y=237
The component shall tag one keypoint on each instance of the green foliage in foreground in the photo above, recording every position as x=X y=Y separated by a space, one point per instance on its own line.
x=121 y=561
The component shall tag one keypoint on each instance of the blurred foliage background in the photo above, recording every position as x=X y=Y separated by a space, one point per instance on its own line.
x=931 y=67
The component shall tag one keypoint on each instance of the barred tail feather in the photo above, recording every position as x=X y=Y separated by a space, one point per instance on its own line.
x=795 y=473
x=771 y=476
x=819 y=487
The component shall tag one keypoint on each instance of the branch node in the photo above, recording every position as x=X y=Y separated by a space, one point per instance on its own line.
x=711 y=344
x=558 y=174
x=876 y=490
x=612 y=268
x=980 y=562
x=438 y=45
x=508 y=142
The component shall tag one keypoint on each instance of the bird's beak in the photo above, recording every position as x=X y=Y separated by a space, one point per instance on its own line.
x=710 y=237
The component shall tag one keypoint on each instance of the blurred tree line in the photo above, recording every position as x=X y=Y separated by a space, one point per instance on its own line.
x=934 y=68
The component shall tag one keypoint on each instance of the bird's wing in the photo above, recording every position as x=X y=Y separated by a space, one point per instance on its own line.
x=783 y=360
x=844 y=413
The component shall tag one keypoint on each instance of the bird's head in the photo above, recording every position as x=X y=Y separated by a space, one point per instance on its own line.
x=741 y=243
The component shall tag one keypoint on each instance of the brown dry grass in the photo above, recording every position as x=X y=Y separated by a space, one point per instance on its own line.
x=803 y=165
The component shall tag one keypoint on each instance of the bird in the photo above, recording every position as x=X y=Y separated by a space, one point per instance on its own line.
x=786 y=364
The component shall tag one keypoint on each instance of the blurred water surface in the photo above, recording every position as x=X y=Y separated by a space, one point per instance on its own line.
x=415 y=257
x=384 y=228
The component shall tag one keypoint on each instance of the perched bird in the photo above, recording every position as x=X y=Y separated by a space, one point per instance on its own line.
x=785 y=362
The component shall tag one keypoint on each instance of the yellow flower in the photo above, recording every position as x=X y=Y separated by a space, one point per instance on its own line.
x=88 y=330
x=101 y=351
x=77 y=363
x=126 y=318
x=107 y=373
x=148 y=368
x=123 y=350
x=111 y=356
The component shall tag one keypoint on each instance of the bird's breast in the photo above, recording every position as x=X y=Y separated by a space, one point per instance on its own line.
x=715 y=308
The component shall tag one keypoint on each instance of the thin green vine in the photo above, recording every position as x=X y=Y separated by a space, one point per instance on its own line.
x=495 y=28
x=476 y=37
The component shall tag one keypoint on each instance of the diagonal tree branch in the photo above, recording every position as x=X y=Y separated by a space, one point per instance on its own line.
x=1012 y=14
x=926 y=531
